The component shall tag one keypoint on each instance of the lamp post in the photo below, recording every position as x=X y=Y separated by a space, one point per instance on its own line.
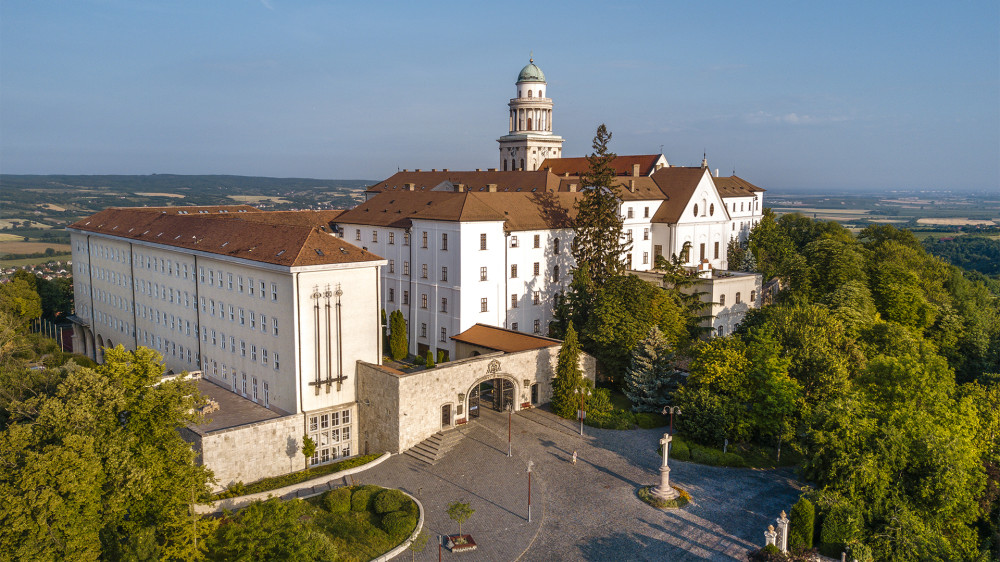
x=510 y=416
x=530 y=464
x=672 y=410
x=582 y=392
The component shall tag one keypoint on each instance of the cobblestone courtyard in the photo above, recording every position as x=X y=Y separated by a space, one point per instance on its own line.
x=586 y=511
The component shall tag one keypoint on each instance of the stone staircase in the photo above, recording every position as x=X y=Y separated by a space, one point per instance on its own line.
x=433 y=449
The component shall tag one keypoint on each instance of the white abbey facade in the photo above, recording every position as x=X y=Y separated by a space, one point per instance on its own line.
x=492 y=246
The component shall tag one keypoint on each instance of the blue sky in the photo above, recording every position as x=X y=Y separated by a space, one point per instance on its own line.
x=791 y=95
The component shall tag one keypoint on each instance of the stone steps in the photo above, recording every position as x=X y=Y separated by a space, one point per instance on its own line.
x=434 y=448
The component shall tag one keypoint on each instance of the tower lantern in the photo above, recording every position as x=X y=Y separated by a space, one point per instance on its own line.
x=529 y=140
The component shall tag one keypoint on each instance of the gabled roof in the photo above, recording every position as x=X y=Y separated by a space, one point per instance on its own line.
x=518 y=210
x=735 y=186
x=500 y=339
x=623 y=165
x=248 y=236
x=478 y=180
x=201 y=209
x=678 y=185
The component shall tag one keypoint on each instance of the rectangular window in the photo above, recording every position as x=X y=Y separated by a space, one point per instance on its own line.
x=230 y=281
x=646 y=213
x=513 y=301
x=702 y=251
x=250 y=286
x=482 y=305
x=276 y=361
x=482 y=241
x=538 y=241
x=374 y=236
x=482 y=273
x=392 y=294
x=423 y=329
x=274 y=292
x=263 y=355
x=392 y=266
x=406 y=267
x=244 y=387
x=266 y=396
x=444 y=241
x=513 y=241
x=232 y=344
x=513 y=271
x=262 y=291
x=645 y=234
x=243 y=348
x=406 y=238
x=513 y=326
x=423 y=239
x=253 y=320
x=392 y=238
x=263 y=323
x=537 y=329
x=537 y=268
x=423 y=301
x=423 y=271
x=536 y=297
x=444 y=335
x=645 y=257
x=243 y=320
x=201 y=272
x=628 y=235
x=253 y=352
x=444 y=304
x=716 y=250
x=406 y=297
x=274 y=326
x=631 y=214
x=357 y=234
x=444 y=274
x=239 y=281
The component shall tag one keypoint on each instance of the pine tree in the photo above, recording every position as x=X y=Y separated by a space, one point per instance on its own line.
x=568 y=377
x=651 y=377
x=398 y=344
x=599 y=239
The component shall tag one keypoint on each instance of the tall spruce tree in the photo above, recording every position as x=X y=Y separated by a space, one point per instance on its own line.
x=599 y=240
x=568 y=377
x=651 y=378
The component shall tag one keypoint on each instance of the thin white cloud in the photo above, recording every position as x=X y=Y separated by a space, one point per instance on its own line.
x=792 y=118
x=267 y=4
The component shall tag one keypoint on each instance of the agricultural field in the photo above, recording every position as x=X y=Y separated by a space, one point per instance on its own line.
x=932 y=214
x=20 y=247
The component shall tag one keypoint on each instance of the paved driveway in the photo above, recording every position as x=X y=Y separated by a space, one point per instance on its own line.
x=586 y=511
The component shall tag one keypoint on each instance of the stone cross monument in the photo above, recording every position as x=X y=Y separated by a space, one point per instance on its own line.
x=663 y=491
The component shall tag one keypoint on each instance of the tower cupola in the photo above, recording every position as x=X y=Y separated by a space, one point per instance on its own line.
x=529 y=140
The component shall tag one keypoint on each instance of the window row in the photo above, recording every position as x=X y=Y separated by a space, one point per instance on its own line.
x=239 y=315
x=535 y=329
x=237 y=283
x=238 y=384
x=220 y=340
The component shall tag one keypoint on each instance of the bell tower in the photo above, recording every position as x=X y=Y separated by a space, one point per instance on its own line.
x=530 y=139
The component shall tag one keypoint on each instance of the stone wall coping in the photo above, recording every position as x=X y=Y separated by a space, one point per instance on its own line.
x=455 y=362
x=222 y=430
x=290 y=490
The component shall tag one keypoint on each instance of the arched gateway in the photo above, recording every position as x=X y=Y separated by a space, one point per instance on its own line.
x=496 y=391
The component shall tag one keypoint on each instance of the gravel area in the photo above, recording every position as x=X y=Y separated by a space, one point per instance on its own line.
x=586 y=511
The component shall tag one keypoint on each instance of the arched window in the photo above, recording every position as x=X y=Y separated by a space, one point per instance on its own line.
x=711 y=209
x=722 y=300
x=555 y=245
x=737 y=298
x=529 y=123
x=753 y=297
x=696 y=209
x=529 y=93
x=555 y=274
x=522 y=163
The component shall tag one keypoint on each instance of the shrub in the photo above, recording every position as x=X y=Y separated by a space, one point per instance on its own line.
x=410 y=508
x=337 y=501
x=837 y=530
x=430 y=359
x=800 y=532
x=680 y=450
x=715 y=457
x=646 y=420
x=361 y=498
x=419 y=360
x=398 y=524
x=389 y=500
x=442 y=356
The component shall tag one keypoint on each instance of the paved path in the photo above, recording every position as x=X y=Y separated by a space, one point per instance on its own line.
x=587 y=511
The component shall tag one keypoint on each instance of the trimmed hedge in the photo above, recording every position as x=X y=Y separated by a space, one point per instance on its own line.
x=398 y=524
x=389 y=500
x=267 y=484
x=361 y=498
x=803 y=522
x=337 y=501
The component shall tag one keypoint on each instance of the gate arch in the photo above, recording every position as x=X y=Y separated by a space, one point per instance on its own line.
x=496 y=391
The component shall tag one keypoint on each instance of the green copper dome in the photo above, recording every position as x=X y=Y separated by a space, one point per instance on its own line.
x=531 y=73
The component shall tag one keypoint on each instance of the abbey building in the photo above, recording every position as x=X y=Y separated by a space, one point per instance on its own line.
x=279 y=313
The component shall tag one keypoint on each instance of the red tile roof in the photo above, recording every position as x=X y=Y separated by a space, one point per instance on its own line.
x=735 y=186
x=500 y=339
x=623 y=165
x=249 y=236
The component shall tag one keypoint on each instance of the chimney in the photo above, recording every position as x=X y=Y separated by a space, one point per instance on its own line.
x=417 y=170
x=716 y=172
x=572 y=188
x=635 y=170
x=434 y=169
x=411 y=187
x=491 y=169
x=631 y=184
x=478 y=170
x=460 y=188
x=492 y=187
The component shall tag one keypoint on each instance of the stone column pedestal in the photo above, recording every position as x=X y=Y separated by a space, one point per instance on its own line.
x=663 y=491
